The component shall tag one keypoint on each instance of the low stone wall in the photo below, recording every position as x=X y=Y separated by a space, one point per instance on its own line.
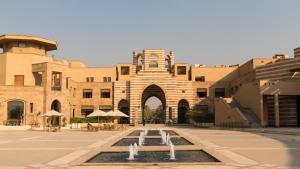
x=226 y=116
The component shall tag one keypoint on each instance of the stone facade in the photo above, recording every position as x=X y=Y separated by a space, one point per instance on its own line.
x=29 y=76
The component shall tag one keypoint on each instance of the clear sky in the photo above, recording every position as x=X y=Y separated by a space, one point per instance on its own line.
x=211 y=32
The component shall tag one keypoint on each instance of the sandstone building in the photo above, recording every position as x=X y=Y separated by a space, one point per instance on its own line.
x=262 y=91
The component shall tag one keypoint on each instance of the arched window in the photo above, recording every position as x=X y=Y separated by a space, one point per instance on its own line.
x=153 y=64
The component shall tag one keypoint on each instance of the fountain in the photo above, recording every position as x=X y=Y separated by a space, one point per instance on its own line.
x=141 y=138
x=163 y=137
x=168 y=139
x=155 y=154
x=135 y=149
x=131 y=153
x=172 y=151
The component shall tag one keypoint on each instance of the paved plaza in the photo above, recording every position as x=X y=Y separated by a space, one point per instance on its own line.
x=236 y=149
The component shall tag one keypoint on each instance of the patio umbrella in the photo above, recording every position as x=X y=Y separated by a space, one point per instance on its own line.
x=116 y=113
x=52 y=113
x=121 y=114
x=97 y=113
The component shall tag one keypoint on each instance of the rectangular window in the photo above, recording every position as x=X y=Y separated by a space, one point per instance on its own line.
x=105 y=93
x=87 y=93
x=86 y=110
x=106 y=79
x=31 y=107
x=181 y=70
x=19 y=80
x=219 y=92
x=200 y=79
x=56 y=81
x=202 y=92
x=90 y=79
x=67 y=82
x=124 y=70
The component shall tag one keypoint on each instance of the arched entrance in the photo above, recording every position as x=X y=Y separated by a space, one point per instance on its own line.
x=183 y=108
x=15 y=110
x=124 y=107
x=57 y=107
x=150 y=92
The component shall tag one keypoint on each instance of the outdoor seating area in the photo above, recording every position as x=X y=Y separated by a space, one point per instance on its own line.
x=105 y=121
x=92 y=127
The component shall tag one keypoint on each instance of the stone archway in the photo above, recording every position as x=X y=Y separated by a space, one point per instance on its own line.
x=154 y=91
x=124 y=107
x=183 y=108
x=56 y=105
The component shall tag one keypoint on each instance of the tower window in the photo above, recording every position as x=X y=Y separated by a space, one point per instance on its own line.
x=153 y=64
x=124 y=70
x=181 y=70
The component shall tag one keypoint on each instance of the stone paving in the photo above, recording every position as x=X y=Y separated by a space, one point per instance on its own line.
x=236 y=149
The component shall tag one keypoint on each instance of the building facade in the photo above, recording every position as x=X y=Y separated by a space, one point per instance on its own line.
x=32 y=83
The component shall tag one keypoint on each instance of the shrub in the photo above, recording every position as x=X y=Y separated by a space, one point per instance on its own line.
x=201 y=116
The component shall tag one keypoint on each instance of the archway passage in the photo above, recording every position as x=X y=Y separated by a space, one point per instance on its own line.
x=124 y=107
x=183 y=108
x=159 y=115
x=15 y=110
x=57 y=107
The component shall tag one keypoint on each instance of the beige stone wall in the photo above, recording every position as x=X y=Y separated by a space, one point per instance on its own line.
x=2 y=68
x=248 y=95
x=80 y=74
x=214 y=74
x=238 y=80
x=30 y=48
x=291 y=87
x=225 y=115
x=21 y=64
x=25 y=94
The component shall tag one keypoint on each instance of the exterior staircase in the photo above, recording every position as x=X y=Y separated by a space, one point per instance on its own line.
x=251 y=118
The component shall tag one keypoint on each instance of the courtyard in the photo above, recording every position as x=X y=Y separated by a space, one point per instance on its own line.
x=235 y=149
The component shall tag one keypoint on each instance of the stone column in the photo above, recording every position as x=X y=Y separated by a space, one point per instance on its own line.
x=276 y=110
